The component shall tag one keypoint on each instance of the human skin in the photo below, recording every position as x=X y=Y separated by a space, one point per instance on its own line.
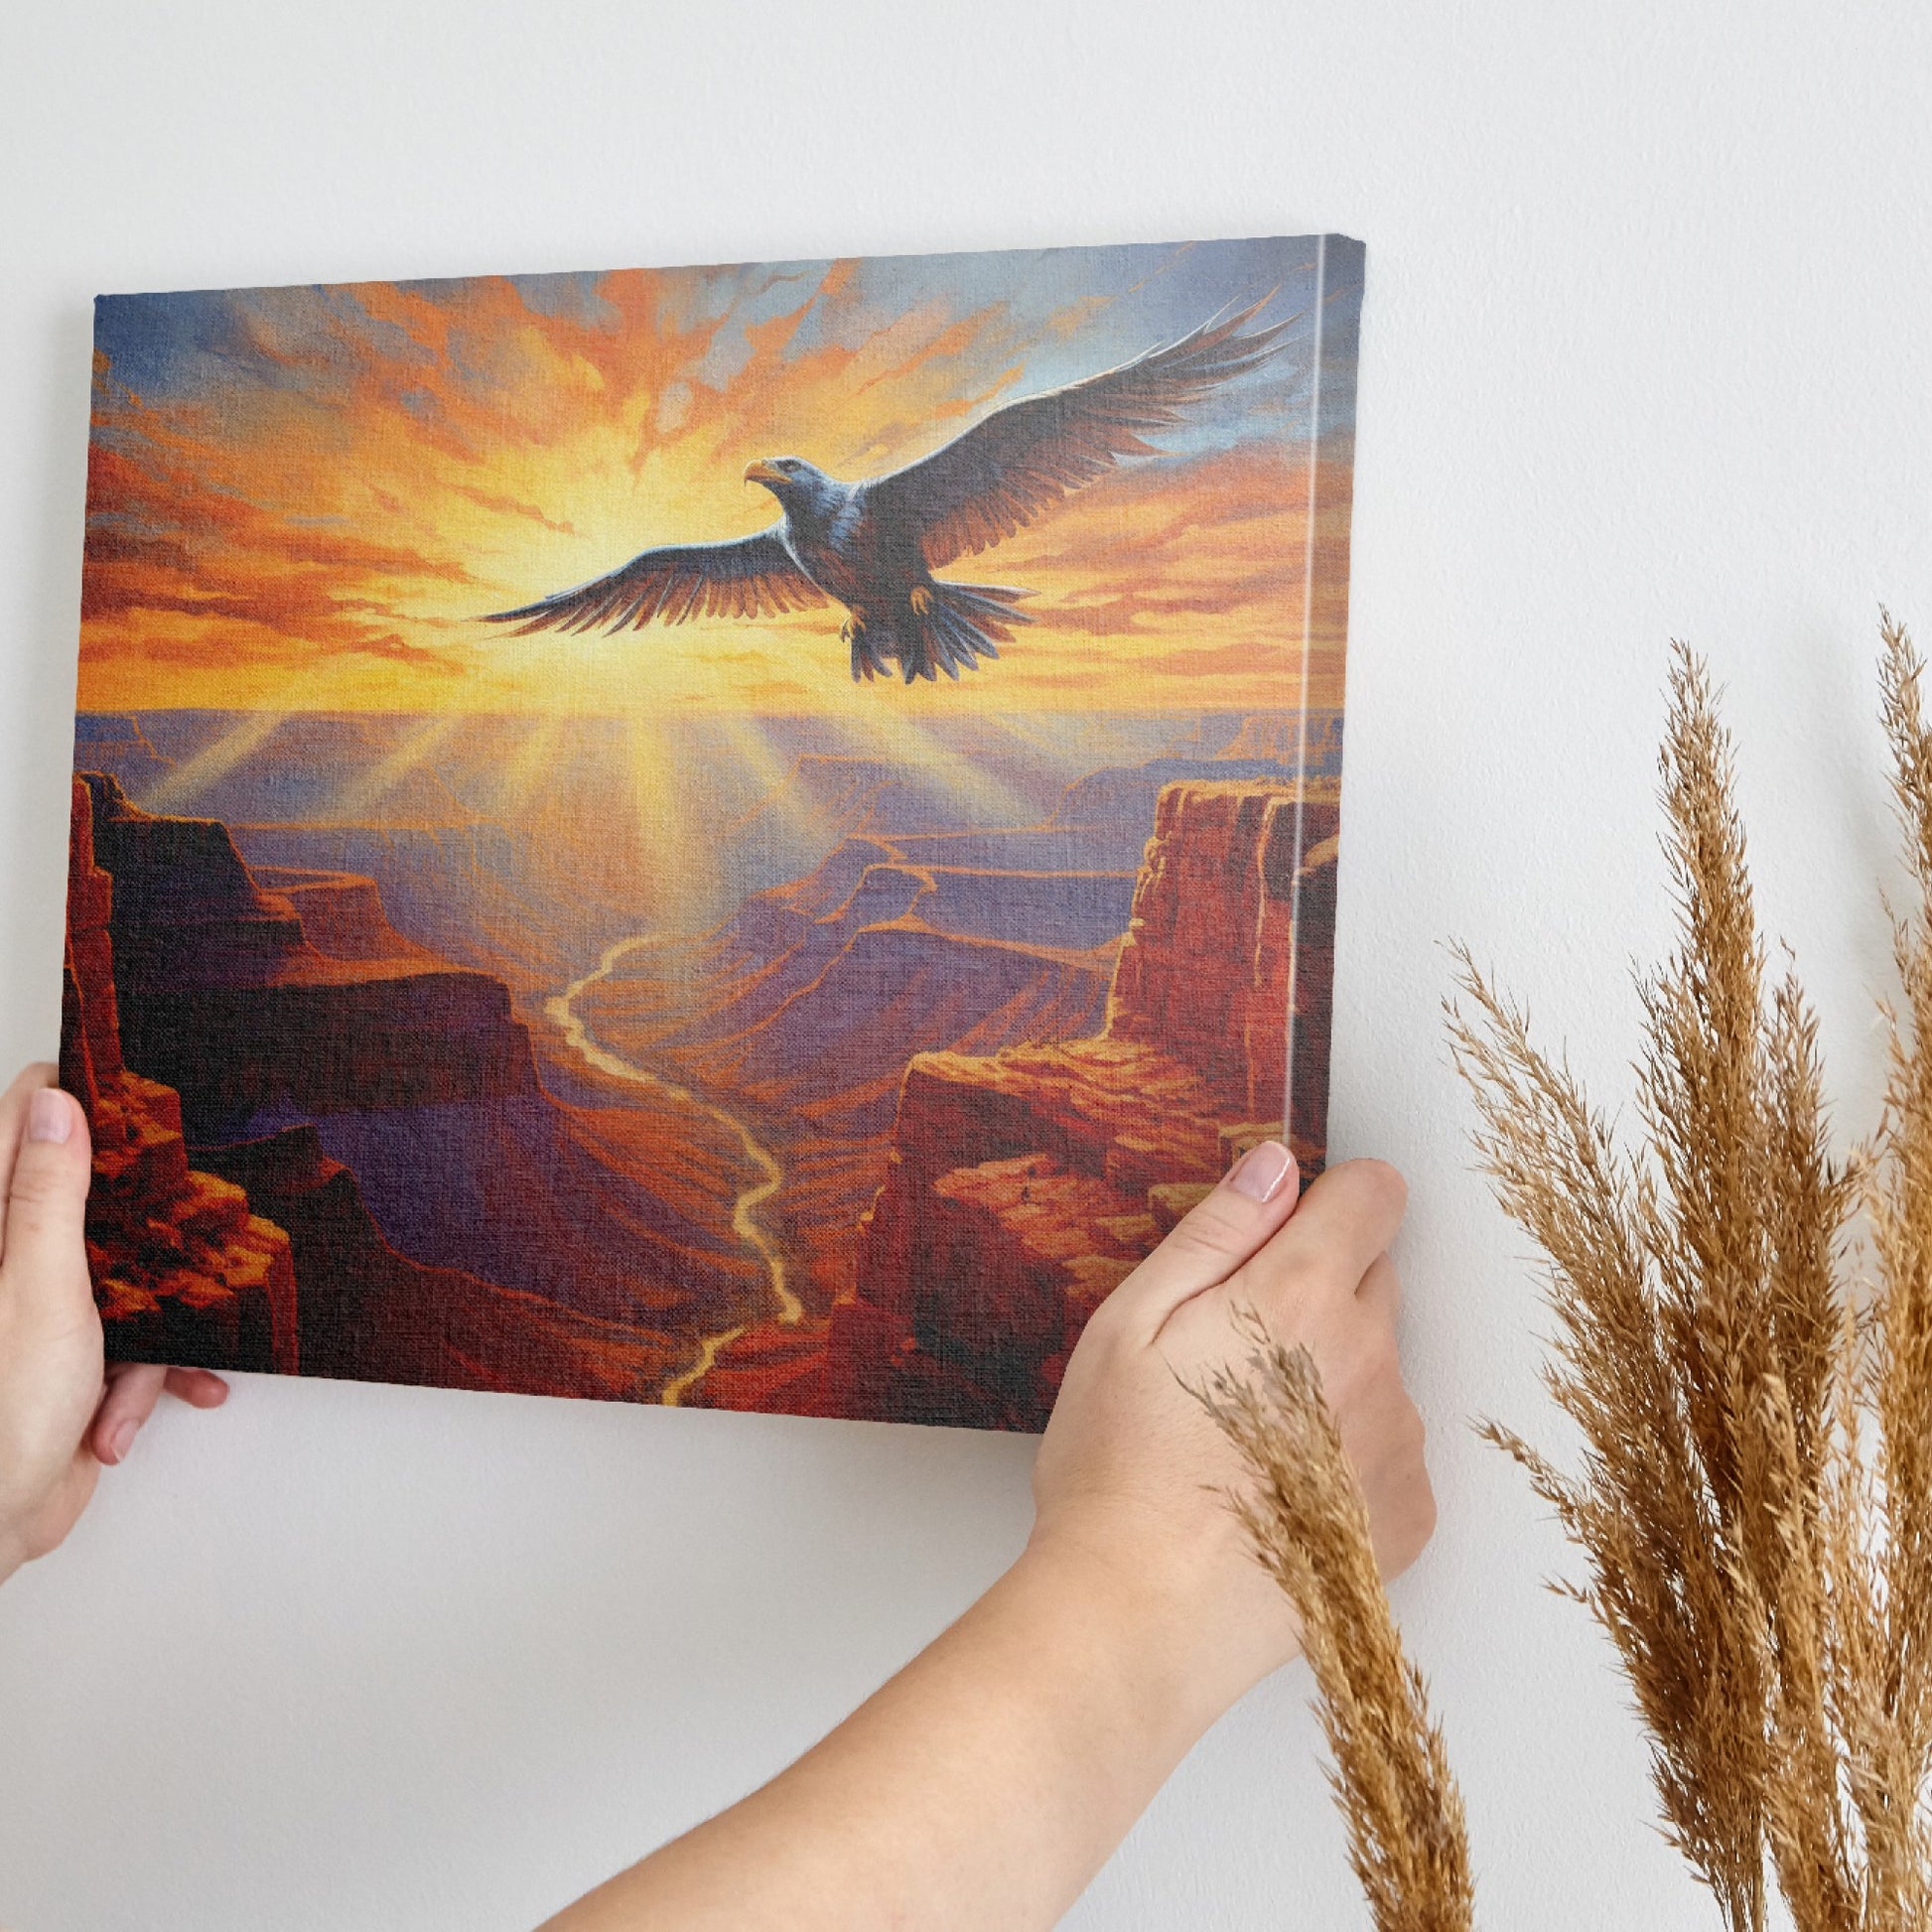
x=65 y=1413
x=987 y=1781
x=990 y=1779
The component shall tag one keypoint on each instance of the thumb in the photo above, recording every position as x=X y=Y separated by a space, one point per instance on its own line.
x=1234 y=1220
x=43 y=1248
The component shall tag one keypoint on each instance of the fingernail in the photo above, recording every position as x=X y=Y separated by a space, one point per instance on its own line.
x=50 y=1114
x=121 y=1440
x=1261 y=1170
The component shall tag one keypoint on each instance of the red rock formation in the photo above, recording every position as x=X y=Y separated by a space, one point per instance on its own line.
x=225 y=999
x=184 y=1270
x=1205 y=973
x=1024 y=1185
x=342 y=914
x=291 y=985
x=374 y=1315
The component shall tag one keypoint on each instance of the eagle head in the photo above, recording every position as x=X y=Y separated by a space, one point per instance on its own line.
x=790 y=479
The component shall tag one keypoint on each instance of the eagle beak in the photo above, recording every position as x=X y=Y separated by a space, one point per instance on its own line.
x=765 y=472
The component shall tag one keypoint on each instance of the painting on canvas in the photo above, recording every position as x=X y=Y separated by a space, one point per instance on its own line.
x=739 y=837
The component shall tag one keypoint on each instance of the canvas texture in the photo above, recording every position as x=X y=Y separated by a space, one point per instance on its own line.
x=741 y=837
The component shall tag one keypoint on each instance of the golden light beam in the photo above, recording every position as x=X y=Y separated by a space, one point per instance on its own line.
x=951 y=773
x=529 y=766
x=783 y=800
x=187 y=781
x=680 y=881
x=370 y=786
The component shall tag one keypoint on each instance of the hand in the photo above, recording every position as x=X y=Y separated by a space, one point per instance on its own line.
x=1131 y=1474
x=63 y=1412
x=986 y=1783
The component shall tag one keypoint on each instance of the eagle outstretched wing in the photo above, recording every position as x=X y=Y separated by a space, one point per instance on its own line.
x=1023 y=459
x=749 y=576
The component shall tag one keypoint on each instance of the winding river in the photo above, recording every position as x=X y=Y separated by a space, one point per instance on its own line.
x=562 y=1009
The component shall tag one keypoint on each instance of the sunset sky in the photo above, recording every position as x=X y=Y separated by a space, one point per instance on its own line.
x=305 y=499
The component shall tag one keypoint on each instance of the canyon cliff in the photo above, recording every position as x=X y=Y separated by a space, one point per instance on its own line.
x=232 y=999
x=371 y=1314
x=185 y=1271
x=265 y=989
x=1024 y=1184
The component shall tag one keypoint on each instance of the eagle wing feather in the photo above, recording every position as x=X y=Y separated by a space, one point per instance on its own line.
x=1018 y=462
x=747 y=577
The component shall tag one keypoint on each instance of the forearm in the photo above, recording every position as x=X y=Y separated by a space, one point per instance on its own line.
x=984 y=1785
x=990 y=1779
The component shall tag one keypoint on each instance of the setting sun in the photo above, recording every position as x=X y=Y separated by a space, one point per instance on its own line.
x=307 y=498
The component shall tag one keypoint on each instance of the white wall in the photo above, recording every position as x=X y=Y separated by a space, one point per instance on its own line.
x=1646 y=354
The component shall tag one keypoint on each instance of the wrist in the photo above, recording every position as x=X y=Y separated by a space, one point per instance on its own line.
x=1162 y=1634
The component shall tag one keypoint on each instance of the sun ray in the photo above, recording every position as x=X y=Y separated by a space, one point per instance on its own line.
x=979 y=796
x=529 y=766
x=374 y=783
x=187 y=781
x=793 y=820
x=1071 y=740
x=678 y=889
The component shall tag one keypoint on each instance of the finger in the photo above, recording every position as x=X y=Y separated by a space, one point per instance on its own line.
x=1235 y=1219
x=46 y=1255
x=199 y=1388
x=1346 y=1218
x=133 y=1388
x=13 y=1126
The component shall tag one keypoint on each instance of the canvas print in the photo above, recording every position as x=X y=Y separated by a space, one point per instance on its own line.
x=739 y=837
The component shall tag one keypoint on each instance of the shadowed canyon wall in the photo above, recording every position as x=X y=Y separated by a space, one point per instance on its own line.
x=265 y=1254
x=185 y=1271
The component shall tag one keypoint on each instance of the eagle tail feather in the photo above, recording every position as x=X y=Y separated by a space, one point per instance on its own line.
x=962 y=624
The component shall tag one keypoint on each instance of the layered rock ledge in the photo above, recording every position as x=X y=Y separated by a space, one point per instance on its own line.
x=184 y=1270
x=229 y=998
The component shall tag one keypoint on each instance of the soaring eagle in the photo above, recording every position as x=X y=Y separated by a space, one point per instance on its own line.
x=872 y=546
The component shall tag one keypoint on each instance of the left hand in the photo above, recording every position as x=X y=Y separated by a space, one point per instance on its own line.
x=65 y=1412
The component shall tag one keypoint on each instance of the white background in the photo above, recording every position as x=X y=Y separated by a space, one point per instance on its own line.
x=1644 y=355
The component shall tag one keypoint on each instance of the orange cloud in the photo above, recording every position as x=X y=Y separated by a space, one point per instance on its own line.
x=329 y=531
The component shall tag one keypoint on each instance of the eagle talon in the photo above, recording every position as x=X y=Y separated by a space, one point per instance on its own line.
x=921 y=600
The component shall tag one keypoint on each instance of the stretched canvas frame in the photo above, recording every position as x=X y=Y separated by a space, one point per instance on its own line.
x=718 y=980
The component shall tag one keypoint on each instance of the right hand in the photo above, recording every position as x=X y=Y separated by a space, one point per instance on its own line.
x=1131 y=1472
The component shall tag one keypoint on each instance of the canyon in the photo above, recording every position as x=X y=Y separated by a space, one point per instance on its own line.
x=1022 y=1186
x=264 y=1253
x=974 y=1025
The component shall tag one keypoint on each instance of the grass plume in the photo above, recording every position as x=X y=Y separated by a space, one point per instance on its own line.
x=1306 y=1519
x=1753 y=1499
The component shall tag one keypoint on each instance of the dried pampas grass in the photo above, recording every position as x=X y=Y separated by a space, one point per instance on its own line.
x=1309 y=1524
x=1753 y=1497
